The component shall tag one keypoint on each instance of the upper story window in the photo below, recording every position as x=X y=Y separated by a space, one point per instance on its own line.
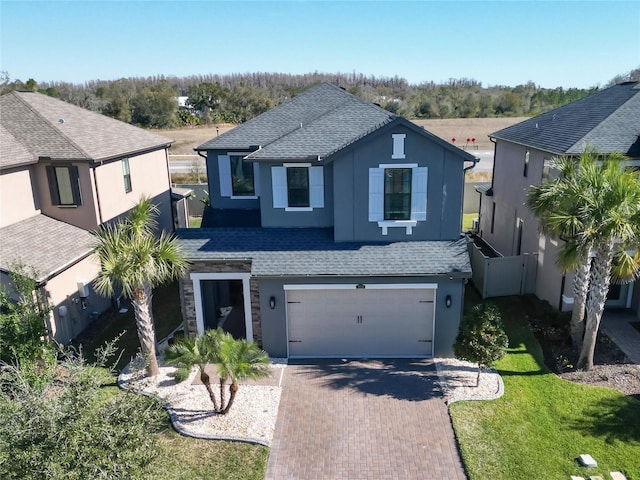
x=398 y=196
x=397 y=193
x=238 y=179
x=526 y=163
x=64 y=185
x=126 y=174
x=297 y=187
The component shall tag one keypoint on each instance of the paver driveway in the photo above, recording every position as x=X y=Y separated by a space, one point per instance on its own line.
x=363 y=419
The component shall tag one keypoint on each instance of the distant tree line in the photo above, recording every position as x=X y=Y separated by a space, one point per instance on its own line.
x=235 y=98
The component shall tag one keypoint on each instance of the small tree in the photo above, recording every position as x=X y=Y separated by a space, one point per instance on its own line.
x=23 y=318
x=481 y=337
x=235 y=359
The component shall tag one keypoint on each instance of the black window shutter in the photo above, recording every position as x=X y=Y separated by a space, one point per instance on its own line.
x=53 y=185
x=75 y=185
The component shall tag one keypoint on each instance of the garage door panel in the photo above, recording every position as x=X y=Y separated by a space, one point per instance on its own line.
x=360 y=322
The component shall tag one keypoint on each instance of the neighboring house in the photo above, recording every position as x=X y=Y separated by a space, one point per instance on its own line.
x=607 y=121
x=336 y=233
x=63 y=172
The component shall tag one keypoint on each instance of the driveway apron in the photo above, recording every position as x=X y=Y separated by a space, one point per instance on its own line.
x=363 y=419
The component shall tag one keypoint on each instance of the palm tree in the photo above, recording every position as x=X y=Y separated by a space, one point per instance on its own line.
x=594 y=206
x=556 y=205
x=235 y=360
x=134 y=260
x=612 y=201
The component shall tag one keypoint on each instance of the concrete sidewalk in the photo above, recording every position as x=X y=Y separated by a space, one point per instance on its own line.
x=617 y=326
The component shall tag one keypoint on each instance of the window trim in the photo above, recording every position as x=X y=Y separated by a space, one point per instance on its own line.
x=280 y=187
x=419 y=184
x=126 y=175
x=527 y=155
x=225 y=179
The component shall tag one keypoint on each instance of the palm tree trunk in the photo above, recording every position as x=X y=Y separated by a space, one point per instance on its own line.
x=206 y=381
x=222 y=395
x=141 y=303
x=598 y=289
x=580 y=291
x=233 y=388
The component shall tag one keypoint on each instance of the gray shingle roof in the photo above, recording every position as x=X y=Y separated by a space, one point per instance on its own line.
x=608 y=120
x=46 y=244
x=312 y=126
x=48 y=127
x=13 y=153
x=313 y=252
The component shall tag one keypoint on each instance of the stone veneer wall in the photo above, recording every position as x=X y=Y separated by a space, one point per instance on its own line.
x=188 y=302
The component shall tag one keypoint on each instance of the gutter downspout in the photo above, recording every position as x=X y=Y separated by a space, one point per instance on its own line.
x=95 y=184
x=173 y=217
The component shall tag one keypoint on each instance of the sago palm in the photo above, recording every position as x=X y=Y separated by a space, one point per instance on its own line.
x=134 y=260
x=235 y=360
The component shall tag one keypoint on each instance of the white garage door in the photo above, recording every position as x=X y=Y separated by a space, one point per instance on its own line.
x=370 y=322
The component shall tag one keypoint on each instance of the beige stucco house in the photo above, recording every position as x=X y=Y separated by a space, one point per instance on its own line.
x=608 y=121
x=63 y=172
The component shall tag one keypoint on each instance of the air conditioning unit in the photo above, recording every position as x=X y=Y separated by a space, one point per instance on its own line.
x=475 y=225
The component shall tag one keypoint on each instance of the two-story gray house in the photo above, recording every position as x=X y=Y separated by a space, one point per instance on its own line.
x=608 y=121
x=334 y=232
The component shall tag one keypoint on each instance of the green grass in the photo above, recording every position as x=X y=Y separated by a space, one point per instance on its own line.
x=467 y=221
x=189 y=458
x=194 y=222
x=167 y=316
x=542 y=423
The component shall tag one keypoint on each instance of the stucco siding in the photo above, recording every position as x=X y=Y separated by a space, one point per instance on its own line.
x=149 y=177
x=62 y=291
x=279 y=217
x=83 y=216
x=16 y=196
x=444 y=188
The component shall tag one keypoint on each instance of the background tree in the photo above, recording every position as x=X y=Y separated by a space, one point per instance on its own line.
x=155 y=106
x=235 y=360
x=133 y=260
x=481 y=338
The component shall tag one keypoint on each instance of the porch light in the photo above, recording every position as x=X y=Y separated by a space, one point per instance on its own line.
x=447 y=301
x=272 y=302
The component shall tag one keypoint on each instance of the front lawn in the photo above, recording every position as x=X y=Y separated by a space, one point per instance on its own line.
x=542 y=423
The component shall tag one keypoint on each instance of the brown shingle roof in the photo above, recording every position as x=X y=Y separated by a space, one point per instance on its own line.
x=46 y=244
x=50 y=128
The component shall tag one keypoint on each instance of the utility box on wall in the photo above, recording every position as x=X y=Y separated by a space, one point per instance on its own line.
x=83 y=289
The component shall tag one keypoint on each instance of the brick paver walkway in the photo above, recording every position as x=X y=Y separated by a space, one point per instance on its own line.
x=617 y=326
x=373 y=419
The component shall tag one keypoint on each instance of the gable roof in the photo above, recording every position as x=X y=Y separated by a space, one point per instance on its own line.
x=48 y=245
x=313 y=252
x=608 y=121
x=50 y=128
x=312 y=126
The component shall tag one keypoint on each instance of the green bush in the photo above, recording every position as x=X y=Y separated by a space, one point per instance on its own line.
x=481 y=337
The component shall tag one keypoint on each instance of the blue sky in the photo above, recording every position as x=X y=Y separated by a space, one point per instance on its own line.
x=552 y=43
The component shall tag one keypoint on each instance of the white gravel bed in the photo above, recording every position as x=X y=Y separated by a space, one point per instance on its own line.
x=252 y=418
x=458 y=381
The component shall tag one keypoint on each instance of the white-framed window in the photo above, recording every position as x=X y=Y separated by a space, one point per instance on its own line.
x=239 y=179
x=64 y=185
x=398 y=195
x=126 y=175
x=297 y=187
